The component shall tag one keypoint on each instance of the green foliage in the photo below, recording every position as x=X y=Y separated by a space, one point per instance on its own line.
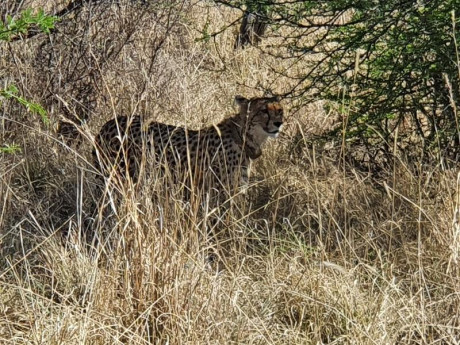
x=11 y=29
x=205 y=35
x=262 y=7
x=11 y=92
x=25 y=22
x=389 y=61
x=406 y=51
x=10 y=149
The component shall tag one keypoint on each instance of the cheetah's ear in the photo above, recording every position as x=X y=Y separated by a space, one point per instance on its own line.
x=274 y=99
x=240 y=100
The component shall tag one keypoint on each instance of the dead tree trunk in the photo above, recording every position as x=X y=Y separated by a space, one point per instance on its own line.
x=252 y=30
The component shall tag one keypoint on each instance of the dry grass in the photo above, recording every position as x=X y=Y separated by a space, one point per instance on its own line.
x=318 y=252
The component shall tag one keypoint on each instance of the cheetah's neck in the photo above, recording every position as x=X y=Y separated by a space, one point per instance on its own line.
x=243 y=137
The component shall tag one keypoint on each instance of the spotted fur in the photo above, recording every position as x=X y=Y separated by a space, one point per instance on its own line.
x=217 y=157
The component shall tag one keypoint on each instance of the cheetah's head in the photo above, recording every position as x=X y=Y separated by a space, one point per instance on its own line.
x=263 y=117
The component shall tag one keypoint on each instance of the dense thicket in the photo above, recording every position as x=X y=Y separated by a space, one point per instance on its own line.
x=390 y=64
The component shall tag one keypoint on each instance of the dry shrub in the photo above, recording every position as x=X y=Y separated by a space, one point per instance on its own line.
x=317 y=252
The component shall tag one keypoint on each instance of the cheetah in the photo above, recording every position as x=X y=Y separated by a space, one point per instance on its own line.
x=217 y=157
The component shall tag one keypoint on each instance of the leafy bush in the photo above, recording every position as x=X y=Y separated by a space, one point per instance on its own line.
x=12 y=92
x=388 y=63
x=14 y=28
x=27 y=20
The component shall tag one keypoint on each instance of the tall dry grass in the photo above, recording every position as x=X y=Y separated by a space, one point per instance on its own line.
x=317 y=252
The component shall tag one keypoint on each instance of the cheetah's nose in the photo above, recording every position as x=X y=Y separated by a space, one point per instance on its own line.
x=278 y=124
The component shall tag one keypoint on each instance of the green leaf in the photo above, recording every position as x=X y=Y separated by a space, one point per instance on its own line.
x=12 y=92
x=10 y=149
x=26 y=20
